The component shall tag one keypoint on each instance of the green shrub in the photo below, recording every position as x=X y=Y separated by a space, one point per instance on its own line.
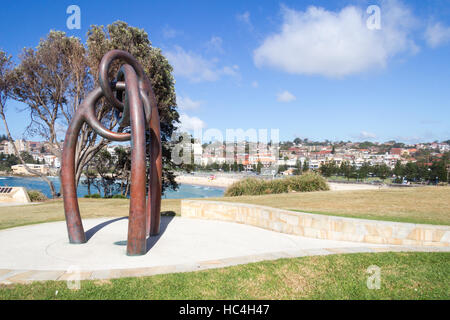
x=119 y=196
x=98 y=196
x=36 y=196
x=94 y=195
x=309 y=181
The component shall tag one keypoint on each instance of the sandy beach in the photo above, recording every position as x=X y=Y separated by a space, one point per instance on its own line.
x=224 y=182
x=334 y=186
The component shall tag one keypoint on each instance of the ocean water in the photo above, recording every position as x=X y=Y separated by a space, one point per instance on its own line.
x=184 y=191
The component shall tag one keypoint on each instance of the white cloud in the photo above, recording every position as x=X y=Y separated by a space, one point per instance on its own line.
x=425 y=137
x=169 y=32
x=197 y=68
x=255 y=84
x=188 y=123
x=215 y=44
x=231 y=71
x=285 y=96
x=186 y=103
x=191 y=65
x=336 y=44
x=364 y=135
x=60 y=130
x=245 y=18
x=429 y=122
x=436 y=34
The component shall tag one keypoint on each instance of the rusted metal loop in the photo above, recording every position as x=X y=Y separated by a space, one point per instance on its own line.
x=103 y=74
x=124 y=118
x=90 y=117
x=147 y=106
x=139 y=110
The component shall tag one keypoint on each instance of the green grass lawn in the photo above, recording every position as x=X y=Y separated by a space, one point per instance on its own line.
x=429 y=205
x=403 y=276
x=53 y=210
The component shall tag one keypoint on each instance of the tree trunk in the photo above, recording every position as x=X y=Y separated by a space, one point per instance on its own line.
x=128 y=187
x=88 y=185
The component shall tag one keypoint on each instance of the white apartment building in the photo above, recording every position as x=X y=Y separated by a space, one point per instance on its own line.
x=52 y=161
x=21 y=169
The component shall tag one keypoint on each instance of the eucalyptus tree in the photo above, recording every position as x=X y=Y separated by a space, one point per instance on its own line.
x=119 y=35
x=7 y=85
x=53 y=79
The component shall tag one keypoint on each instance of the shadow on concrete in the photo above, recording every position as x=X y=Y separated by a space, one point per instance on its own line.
x=165 y=220
x=100 y=226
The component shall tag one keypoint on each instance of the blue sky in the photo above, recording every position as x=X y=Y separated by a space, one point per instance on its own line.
x=312 y=69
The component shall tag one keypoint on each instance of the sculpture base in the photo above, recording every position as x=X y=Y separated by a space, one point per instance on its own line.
x=183 y=245
x=77 y=241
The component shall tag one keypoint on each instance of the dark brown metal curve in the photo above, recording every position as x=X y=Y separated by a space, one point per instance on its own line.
x=140 y=103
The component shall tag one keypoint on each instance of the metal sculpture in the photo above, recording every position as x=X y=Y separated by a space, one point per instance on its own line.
x=138 y=110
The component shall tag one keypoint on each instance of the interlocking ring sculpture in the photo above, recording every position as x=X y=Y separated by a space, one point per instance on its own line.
x=138 y=110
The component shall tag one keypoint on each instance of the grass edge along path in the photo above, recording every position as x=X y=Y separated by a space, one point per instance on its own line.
x=404 y=275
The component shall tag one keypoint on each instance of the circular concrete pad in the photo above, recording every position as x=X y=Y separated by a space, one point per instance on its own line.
x=182 y=241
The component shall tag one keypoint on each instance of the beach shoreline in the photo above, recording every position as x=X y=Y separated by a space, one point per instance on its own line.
x=218 y=182
x=203 y=185
x=224 y=182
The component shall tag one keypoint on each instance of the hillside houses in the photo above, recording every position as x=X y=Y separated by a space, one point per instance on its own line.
x=36 y=149
x=316 y=155
x=287 y=154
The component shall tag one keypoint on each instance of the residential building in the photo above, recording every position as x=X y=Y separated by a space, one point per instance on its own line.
x=20 y=169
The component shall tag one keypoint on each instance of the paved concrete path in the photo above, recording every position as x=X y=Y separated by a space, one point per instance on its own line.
x=335 y=186
x=11 y=204
x=42 y=252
